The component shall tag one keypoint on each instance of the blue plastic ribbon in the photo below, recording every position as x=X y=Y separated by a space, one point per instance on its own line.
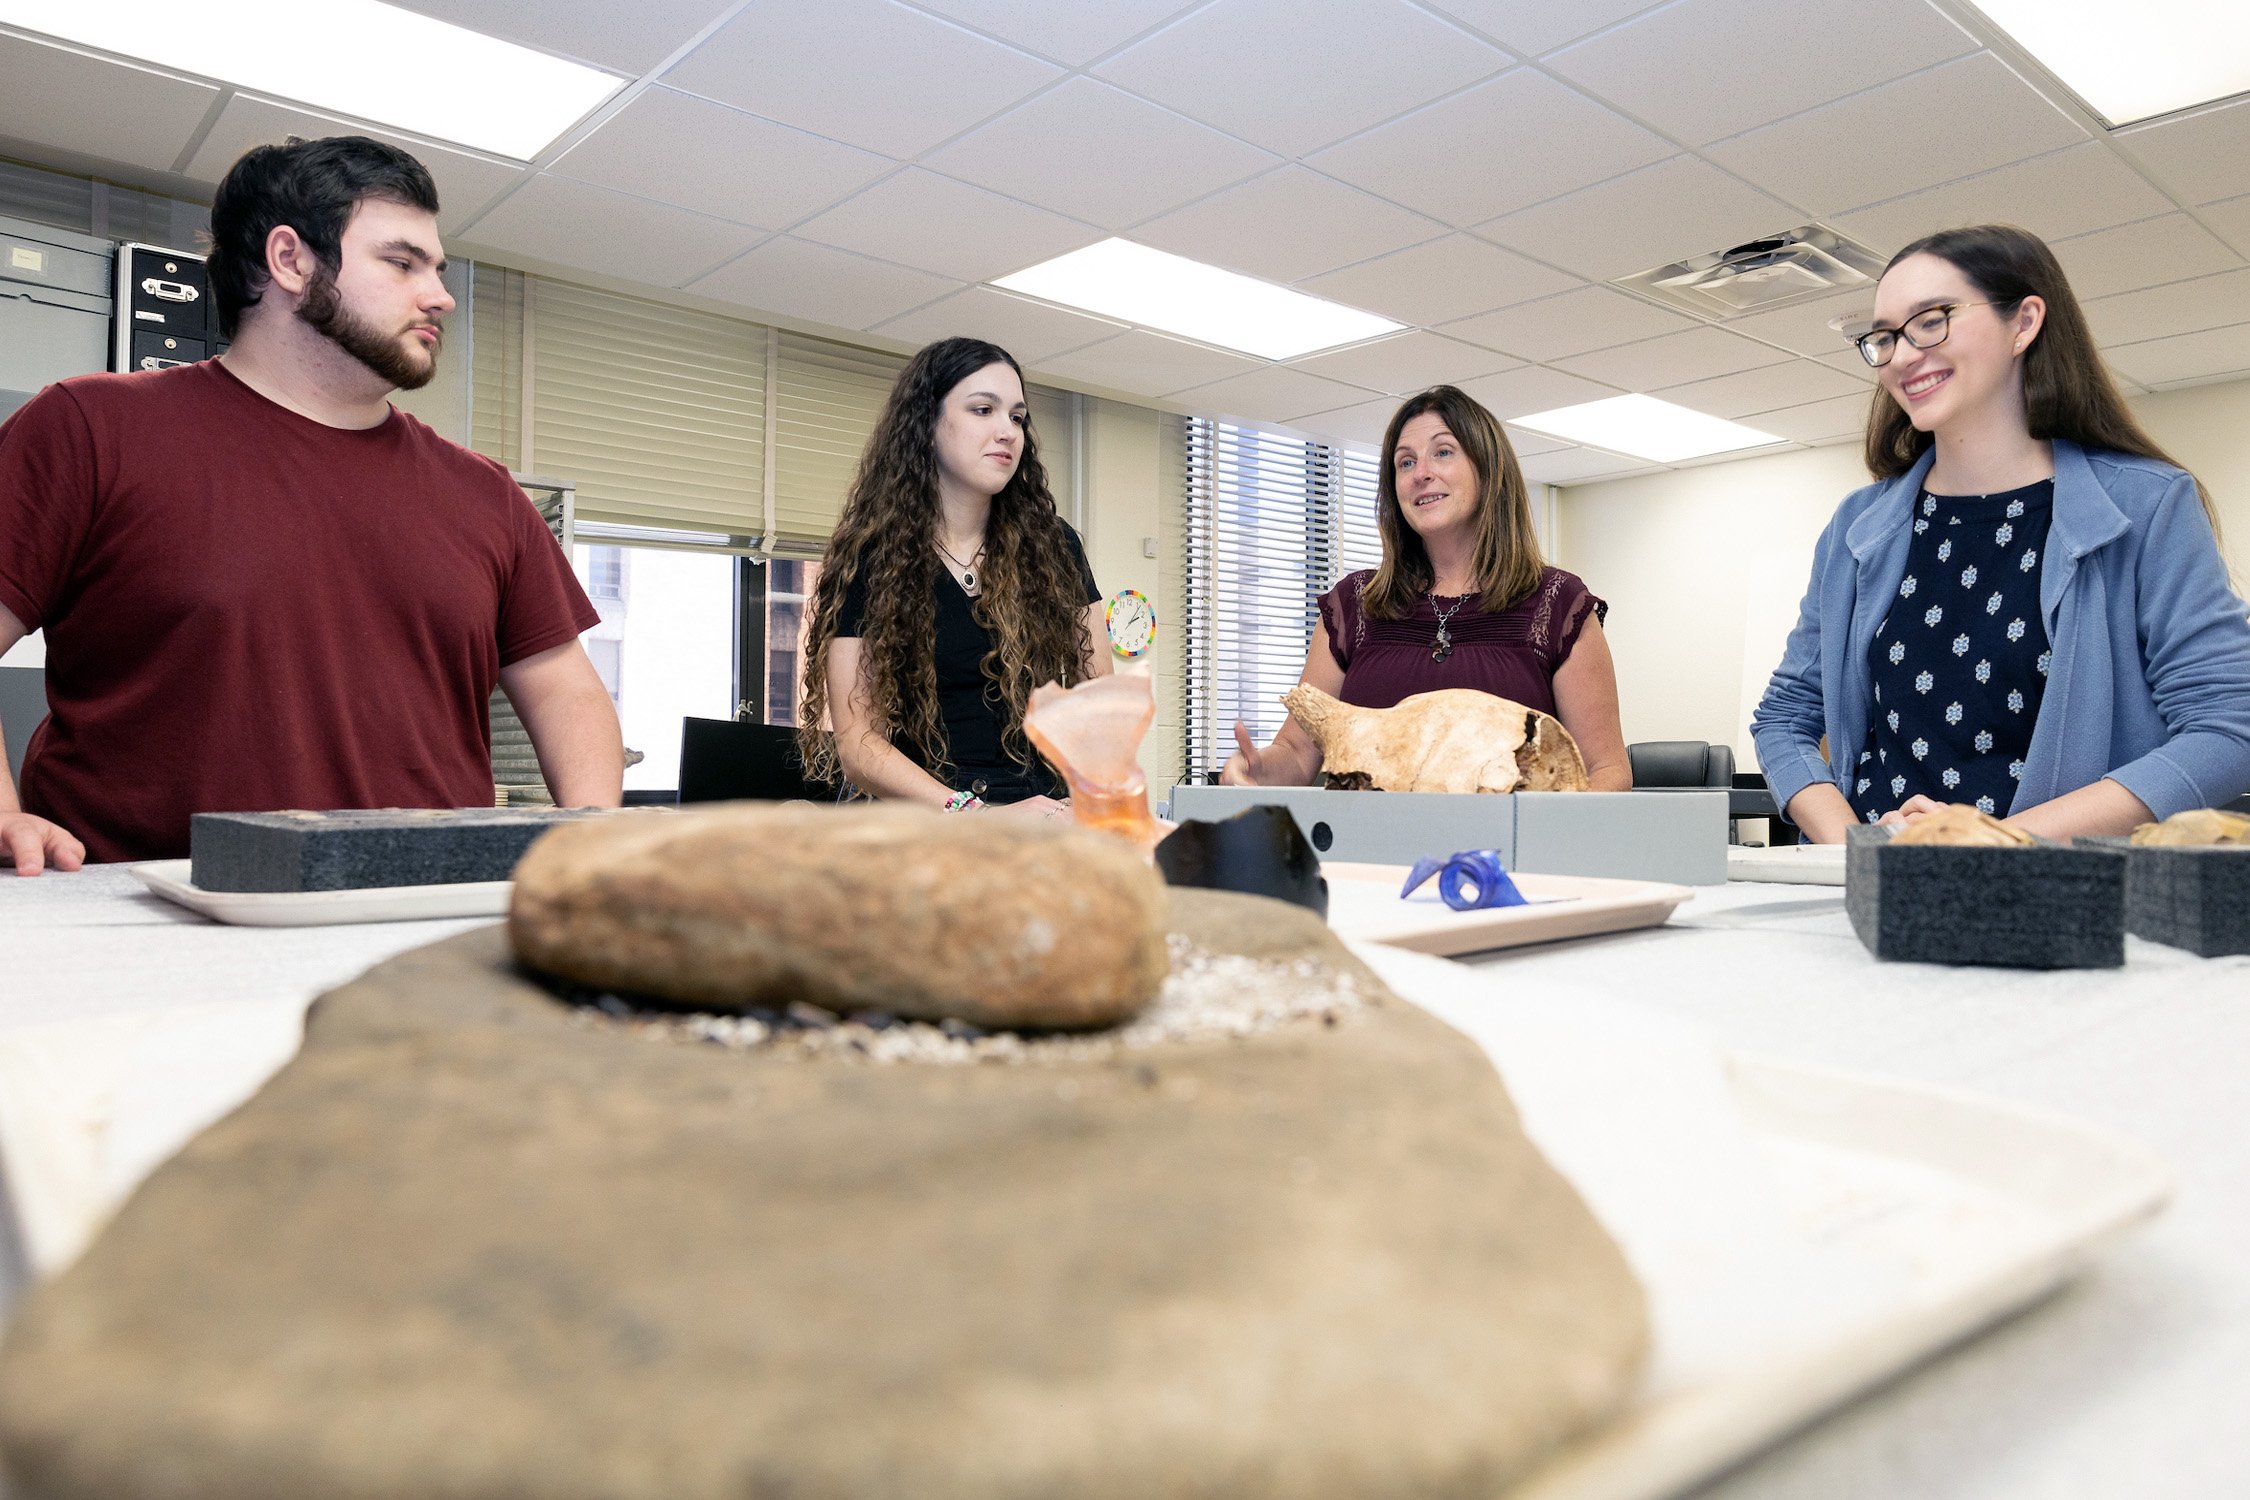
x=1478 y=869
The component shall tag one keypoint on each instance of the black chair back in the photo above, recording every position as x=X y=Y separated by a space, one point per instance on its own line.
x=1680 y=763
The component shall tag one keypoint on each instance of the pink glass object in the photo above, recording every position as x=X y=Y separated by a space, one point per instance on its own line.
x=1092 y=733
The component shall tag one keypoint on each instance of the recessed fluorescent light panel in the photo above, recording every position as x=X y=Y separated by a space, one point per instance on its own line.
x=355 y=57
x=1170 y=293
x=1644 y=427
x=2131 y=62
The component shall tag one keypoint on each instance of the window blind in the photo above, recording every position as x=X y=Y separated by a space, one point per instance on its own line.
x=656 y=413
x=1359 y=542
x=496 y=355
x=827 y=399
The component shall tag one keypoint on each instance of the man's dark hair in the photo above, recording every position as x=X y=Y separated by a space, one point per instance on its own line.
x=312 y=186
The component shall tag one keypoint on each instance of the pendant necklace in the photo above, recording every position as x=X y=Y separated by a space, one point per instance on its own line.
x=968 y=569
x=1444 y=646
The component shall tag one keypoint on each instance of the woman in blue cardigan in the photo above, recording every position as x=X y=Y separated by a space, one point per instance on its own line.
x=2027 y=612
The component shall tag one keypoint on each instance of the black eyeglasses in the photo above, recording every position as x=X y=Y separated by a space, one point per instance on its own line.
x=1925 y=330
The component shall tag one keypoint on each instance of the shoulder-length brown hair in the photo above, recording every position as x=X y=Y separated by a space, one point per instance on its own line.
x=1508 y=563
x=2067 y=390
x=1032 y=602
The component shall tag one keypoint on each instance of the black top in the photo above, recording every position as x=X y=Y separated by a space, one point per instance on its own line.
x=970 y=708
x=1959 y=665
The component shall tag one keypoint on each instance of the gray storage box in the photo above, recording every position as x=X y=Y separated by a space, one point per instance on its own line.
x=1678 y=836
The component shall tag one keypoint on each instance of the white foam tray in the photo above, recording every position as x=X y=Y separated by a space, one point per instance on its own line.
x=1790 y=864
x=1364 y=903
x=169 y=878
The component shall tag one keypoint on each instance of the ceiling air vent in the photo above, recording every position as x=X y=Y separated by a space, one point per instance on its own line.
x=1776 y=271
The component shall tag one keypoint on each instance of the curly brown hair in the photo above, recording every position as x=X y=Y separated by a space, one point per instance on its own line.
x=1031 y=603
x=1508 y=562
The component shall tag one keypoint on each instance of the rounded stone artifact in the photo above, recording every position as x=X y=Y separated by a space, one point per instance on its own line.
x=994 y=920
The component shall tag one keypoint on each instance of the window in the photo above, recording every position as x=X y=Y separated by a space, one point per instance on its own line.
x=664 y=647
x=789 y=587
x=1272 y=522
x=605 y=573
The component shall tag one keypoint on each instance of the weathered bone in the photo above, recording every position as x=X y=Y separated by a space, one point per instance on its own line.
x=2195 y=829
x=1961 y=825
x=1452 y=740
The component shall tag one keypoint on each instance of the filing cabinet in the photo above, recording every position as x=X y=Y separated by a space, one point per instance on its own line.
x=54 y=308
x=164 y=315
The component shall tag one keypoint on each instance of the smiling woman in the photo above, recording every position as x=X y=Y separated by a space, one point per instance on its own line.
x=2028 y=612
x=1462 y=599
x=950 y=590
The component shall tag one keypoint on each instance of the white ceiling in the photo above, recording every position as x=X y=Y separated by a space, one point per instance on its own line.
x=1474 y=168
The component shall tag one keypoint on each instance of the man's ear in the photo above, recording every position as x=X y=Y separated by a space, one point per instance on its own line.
x=290 y=262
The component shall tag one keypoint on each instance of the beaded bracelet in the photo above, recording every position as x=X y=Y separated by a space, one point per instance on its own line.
x=962 y=802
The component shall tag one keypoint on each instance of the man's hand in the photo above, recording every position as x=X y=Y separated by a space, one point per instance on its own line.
x=32 y=843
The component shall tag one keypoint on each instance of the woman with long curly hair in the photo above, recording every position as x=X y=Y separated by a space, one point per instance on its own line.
x=2027 y=612
x=950 y=590
x=1463 y=599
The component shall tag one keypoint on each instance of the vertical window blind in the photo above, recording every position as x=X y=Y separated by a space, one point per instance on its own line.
x=1272 y=523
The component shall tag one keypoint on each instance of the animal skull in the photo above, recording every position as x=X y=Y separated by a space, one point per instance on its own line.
x=1453 y=740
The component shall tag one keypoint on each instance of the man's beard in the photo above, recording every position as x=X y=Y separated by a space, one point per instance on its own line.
x=322 y=306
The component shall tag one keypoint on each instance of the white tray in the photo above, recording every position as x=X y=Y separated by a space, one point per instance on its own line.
x=1790 y=864
x=1364 y=903
x=389 y=903
x=1803 y=1234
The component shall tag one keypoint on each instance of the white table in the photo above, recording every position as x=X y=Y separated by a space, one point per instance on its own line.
x=2134 y=1382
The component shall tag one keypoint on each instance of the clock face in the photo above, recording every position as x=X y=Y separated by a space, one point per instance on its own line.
x=1132 y=623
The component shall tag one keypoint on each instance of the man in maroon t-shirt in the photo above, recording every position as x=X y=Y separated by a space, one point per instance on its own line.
x=262 y=586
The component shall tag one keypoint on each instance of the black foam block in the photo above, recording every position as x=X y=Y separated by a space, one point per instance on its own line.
x=2051 y=906
x=358 y=850
x=2197 y=898
x=1260 y=851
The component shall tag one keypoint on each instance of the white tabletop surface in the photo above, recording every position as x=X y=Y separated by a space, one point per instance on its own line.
x=2136 y=1381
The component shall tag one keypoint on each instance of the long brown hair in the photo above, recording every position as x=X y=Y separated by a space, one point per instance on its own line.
x=2068 y=392
x=1508 y=563
x=1032 y=601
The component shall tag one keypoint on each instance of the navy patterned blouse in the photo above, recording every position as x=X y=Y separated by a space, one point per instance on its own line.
x=1959 y=665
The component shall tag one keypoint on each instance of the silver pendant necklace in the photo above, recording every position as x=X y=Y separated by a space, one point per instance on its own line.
x=1444 y=646
x=968 y=570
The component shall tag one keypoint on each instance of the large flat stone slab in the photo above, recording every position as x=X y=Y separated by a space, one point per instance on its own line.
x=476 y=1243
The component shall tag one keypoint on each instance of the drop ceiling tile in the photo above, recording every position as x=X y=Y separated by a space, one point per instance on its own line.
x=870 y=73
x=1642 y=220
x=1072 y=34
x=1803 y=329
x=1535 y=26
x=1501 y=146
x=1148 y=364
x=698 y=155
x=1819 y=421
x=1294 y=75
x=630 y=38
x=1674 y=358
x=108 y=110
x=2064 y=193
x=795 y=279
x=1583 y=466
x=1455 y=277
x=1849 y=363
x=1746 y=393
x=1326 y=225
x=1150 y=159
x=1362 y=425
x=1526 y=442
x=2232 y=220
x=1031 y=331
x=1407 y=362
x=2203 y=157
x=1273 y=394
x=933 y=223
x=1534 y=388
x=2219 y=301
x=2150 y=253
x=1573 y=322
x=1863 y=150
x=465 y=182
x=2208 y=354
x=576 y=224
x=1704 y=69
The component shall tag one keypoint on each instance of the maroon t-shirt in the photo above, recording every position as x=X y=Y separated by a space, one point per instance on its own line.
x=246 y=610
x=1513 y=652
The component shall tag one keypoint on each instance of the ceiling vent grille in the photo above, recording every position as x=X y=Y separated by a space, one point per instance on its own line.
x=1777 y=270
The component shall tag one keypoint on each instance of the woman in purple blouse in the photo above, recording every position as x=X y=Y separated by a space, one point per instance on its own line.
x=1462 y=600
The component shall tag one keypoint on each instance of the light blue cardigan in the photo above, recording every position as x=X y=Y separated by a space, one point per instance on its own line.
x=2150 y=682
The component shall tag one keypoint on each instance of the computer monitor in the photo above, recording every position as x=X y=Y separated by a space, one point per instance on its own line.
x=727 y=760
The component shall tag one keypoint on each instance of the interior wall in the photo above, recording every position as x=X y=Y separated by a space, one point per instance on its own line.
x=1129 y=510
x=1704 y=568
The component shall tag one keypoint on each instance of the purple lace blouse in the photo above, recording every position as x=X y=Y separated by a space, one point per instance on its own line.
x=1513 y=652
